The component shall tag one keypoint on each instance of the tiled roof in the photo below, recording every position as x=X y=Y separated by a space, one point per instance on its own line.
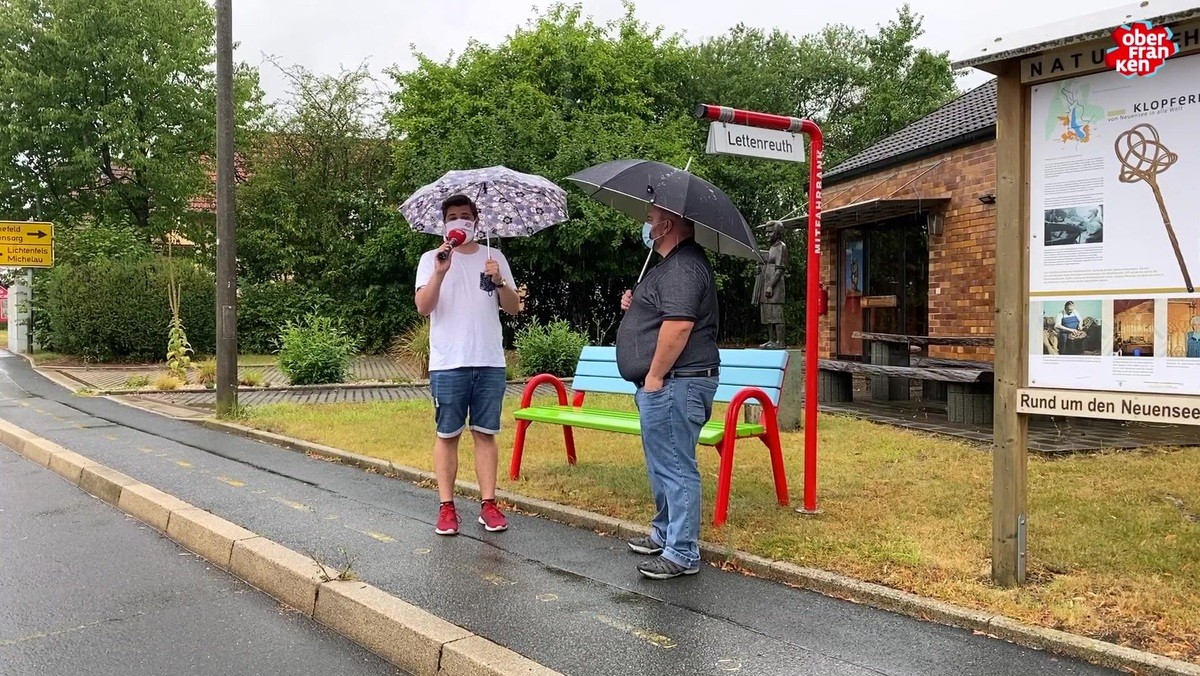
x=968 y=118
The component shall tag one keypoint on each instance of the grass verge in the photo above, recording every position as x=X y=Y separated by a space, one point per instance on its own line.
x=1114 y=538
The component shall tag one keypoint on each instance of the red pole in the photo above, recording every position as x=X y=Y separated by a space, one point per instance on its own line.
x=816 y=157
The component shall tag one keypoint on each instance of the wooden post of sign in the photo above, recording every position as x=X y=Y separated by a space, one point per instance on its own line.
x=1010 y=431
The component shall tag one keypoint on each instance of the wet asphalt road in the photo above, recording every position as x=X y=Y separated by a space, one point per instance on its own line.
x=567 y=598
x=88 y=590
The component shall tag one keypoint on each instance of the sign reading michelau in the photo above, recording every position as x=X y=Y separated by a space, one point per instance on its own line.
x=26 y=244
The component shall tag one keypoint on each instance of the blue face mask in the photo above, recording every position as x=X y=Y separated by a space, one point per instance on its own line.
x=646 y=238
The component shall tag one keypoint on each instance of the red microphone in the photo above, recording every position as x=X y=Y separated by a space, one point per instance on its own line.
x=456 y=237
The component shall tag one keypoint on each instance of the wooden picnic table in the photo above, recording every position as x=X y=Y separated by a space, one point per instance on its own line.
x=901 y=339
x=966 y=386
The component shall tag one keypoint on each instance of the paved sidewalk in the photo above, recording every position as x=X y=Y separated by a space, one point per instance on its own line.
x=364 y=368
x=87 y=590
x=207 y=401
x=567 y=598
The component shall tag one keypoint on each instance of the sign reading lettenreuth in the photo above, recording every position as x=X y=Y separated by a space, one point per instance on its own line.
x=736 y=139
x=26 y=244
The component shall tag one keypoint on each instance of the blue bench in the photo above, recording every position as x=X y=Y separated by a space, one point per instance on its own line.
x=746 y=375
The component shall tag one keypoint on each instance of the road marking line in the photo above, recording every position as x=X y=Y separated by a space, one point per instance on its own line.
x=546 y=598
x=299 y=506
x=110 y=437
x=729 y=665
x=232 y=482
x=497 y=580
x=374 y=535
x=146 y=450
x=664 y=642
x=183 y=463
x=422 y=550
x=47 y=634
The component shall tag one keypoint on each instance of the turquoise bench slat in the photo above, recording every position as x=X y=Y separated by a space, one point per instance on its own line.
x=725 y=392
x=599 y=353
x=762 y=359
x=597 y=372
x=605 y=385
x=751 y=358
x=746 y=377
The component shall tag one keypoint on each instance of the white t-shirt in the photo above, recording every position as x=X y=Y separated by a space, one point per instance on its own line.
x=464 y=329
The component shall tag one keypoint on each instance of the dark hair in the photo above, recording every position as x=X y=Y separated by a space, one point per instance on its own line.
x=459 y=201
x=1068 y=304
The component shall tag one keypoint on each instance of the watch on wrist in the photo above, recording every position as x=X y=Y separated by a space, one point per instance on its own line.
x=502 y=283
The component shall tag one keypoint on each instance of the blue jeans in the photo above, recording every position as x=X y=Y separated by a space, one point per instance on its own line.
x=671 y=420
x=474 y=391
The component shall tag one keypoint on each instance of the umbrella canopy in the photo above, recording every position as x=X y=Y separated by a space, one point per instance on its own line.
x=511 y=203
x=633 y=186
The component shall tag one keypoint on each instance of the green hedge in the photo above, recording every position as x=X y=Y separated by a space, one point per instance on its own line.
x=264 y=310
x=112 y=310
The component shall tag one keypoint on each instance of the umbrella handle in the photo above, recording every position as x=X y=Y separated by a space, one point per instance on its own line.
x=644 y=266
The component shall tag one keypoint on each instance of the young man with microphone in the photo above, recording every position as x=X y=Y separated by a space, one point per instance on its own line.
x=462 y=288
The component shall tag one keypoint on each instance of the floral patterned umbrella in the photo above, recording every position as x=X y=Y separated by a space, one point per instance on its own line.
x=511 y=204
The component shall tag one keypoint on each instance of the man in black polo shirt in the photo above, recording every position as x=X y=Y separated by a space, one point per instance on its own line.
x=667 y=346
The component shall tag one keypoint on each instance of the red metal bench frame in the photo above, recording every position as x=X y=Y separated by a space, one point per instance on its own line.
x=725 y=448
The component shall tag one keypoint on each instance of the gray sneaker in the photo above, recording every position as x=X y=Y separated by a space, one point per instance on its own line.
x=644 y=545
x=663 y=569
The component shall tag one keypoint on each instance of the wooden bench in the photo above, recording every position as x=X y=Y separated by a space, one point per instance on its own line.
x=965 y=386
x=746 y=376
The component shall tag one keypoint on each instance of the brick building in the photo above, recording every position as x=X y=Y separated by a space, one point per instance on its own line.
x=909 y=233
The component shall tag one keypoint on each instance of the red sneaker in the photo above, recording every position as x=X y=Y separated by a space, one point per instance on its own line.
x=492 y=518
x=447 y=523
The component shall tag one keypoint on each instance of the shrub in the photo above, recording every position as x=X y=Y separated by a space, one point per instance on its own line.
x=137 y=382
x=315 y=350
x=252 y=378
x=206 y=372
x=118 y=309
x=553 y=348
x=412 y=348
x=265 y=308
x=167 y=381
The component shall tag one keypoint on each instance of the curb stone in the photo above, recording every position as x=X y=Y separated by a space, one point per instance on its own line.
x=821 y=581
x=400 y=633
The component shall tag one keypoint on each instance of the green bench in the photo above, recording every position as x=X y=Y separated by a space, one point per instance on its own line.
x=746 y=376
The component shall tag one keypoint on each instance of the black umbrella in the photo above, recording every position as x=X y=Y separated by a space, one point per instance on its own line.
x=633 y=186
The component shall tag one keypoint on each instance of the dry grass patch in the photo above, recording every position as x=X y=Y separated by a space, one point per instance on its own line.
x=1114 y=539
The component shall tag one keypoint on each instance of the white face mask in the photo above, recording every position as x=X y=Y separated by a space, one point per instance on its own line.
x=462 y=224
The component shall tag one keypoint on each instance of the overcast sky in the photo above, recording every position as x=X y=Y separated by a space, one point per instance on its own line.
x=323 y=34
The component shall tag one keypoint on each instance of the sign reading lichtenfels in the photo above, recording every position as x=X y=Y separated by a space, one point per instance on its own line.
x=1115 y=239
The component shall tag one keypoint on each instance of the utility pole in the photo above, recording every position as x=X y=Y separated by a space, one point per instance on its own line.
x=227 y=394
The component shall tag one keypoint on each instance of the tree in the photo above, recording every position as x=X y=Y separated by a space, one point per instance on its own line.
x=564 y=93
x=319 y=170
x=109 y=110
x=559 y=95
x=313 y=209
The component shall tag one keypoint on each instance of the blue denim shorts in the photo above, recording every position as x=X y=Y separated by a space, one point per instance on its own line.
x=474 y=392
